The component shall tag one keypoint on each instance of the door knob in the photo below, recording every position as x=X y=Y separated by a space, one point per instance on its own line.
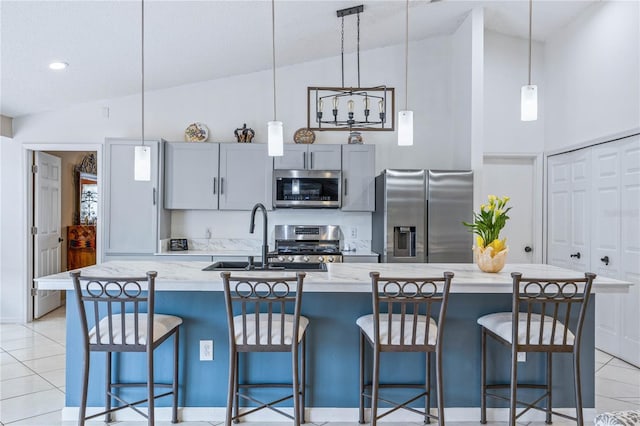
x=605 y=260
x=576 y=255
x=60 y=239
x=528 y=249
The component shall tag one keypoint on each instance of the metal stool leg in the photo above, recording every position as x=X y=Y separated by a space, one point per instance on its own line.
x=232 y=386
x=483 y=378
x=578 y=387
x=176 y=351
x=84 y=388
x=439 y=386
x=295 y=384
x=549 y=388
x=375 y=387
x=303 y=380
x=236 y=389
x=150 y=389
x=427 y=388
x=361 y=399
x=514 y=386
x=107 y=394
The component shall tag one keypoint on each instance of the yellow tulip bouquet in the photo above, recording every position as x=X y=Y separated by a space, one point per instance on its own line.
x=490 y=250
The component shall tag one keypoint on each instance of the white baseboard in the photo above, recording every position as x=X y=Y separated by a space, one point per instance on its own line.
x=325 y=414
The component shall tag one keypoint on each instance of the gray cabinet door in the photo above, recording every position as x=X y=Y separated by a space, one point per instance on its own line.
x=324 y=157
x=246 y=176
x=130 y=206
x=358 y=174
x=294 y=158
x=309 y=157
x=191 y=175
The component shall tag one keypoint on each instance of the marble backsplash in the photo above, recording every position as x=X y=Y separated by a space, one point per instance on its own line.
x=250 y=244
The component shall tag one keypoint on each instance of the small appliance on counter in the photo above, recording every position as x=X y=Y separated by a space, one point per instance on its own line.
x=419 y=214
x=307 y=244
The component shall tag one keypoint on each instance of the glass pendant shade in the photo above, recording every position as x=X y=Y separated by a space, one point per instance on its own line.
x=529 y=103
x=142 y=163
x=405 y=128
x=275 y=141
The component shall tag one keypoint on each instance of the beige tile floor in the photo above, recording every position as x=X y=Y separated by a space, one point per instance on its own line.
x=32 y=378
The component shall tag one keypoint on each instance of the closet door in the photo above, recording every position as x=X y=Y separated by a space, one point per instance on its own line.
x=569 y=197
x=606 y=241
x=630 y=250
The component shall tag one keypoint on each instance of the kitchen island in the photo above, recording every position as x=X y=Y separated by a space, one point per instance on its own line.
x=332 y=301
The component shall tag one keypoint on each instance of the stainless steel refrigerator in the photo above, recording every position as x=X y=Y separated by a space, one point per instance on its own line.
x=419 y=215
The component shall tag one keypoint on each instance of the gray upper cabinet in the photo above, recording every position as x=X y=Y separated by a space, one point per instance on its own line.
x=134 y=219
x=358 y=177
x=309 y=157
x=191 y=175
x=246 y=176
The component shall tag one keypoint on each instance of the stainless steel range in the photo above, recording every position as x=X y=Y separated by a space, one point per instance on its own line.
x=307 y=244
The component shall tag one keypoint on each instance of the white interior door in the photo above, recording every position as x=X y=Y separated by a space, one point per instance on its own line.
x=46 y=221
x=515 y=177
x=630 y=250
x=568 y=202
x=605 y=259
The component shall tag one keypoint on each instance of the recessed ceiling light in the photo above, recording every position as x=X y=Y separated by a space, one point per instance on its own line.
x=57 y=66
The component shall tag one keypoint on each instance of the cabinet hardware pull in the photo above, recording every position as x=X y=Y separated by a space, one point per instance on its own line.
x=345 y=187
x=311 y=161
x=221 y=186
x=154 y=196
x=605 y=260
x=304 y=160
x=214 y=186
x=576 y=255
x=528 y=249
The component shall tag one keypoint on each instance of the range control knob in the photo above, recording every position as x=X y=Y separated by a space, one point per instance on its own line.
x=280 y=258
x=305 y=258
x=330 y=259
x=290 y=258
x=320 y=259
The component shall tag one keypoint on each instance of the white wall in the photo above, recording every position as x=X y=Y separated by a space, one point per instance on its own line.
x=223 y=105
x=506 y=71
x=593 y=75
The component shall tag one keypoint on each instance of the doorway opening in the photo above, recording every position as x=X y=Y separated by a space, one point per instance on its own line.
x=63 y=216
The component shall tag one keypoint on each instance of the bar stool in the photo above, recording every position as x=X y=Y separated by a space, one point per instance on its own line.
x=119 y=324
x=263 y=315
x=402 y=321
x=540 y=321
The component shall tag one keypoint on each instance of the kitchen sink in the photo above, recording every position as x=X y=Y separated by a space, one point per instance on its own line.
x=257 y=266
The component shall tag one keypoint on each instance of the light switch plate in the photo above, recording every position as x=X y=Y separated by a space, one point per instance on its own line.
x=206 y=350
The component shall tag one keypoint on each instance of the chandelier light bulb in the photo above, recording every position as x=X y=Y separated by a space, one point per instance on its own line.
x=381 y=105
x=350 y=105
x=335 y=102
x=320 y=105
x=367 y=102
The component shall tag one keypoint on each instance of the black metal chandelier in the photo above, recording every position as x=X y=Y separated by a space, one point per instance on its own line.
x=348 y=108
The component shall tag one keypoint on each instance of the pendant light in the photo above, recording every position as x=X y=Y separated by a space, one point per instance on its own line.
x=529 y=93
x=142 y=153
x=405 y=117
x=275 y=143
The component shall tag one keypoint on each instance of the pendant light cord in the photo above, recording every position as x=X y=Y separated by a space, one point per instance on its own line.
x=142 y=65
x=530 y=13
x=406 y=58
x=273 y=53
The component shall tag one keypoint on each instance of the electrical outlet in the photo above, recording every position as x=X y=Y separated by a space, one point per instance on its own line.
x=354 y=232
x=522 y=357
x=206 y=350
x=207 y=234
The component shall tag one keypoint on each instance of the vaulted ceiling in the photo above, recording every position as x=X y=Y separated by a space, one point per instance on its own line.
x=190 y=41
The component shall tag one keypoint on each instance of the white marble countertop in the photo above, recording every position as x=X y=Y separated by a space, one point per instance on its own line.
x=340 y=277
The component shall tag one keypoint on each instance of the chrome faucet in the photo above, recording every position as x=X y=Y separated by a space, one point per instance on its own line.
x=252 y=225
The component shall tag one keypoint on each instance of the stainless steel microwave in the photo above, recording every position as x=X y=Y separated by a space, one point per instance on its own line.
x=307 y=188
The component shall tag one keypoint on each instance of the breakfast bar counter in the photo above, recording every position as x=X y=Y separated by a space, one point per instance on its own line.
x=332 y=301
